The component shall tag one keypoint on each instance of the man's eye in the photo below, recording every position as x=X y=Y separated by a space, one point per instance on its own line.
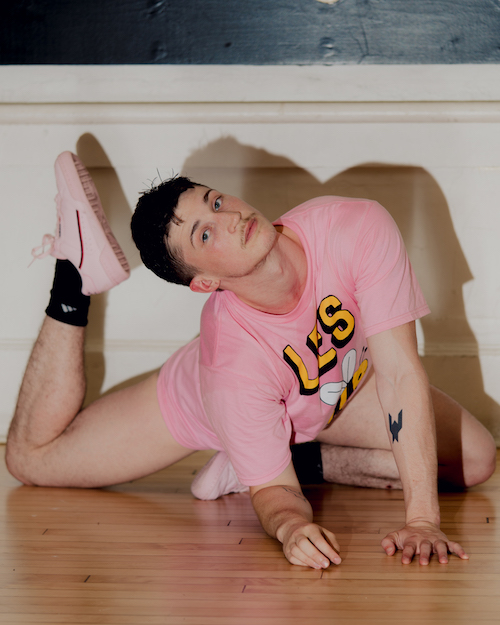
x=205 y=236
x=217 y=204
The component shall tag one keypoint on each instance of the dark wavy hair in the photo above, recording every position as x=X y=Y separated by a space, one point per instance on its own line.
x=154 y=214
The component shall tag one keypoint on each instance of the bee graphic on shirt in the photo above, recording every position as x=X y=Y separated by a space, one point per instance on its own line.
x=337 y=393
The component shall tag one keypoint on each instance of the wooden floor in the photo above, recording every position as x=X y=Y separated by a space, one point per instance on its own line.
x=147 y=553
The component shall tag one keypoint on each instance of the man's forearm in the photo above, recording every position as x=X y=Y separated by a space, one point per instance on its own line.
x=404 y=394
x=410 y=423
x=279 y=508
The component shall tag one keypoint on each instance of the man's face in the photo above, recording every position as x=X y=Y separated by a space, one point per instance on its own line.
x=220 y=235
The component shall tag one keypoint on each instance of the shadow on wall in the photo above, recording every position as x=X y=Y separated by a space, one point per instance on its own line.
x=119 y=214
x=274 y=184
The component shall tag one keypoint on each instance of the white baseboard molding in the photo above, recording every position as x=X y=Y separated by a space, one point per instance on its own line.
x=249 y=83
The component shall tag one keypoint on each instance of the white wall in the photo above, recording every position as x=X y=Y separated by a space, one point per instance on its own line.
x=421 y=139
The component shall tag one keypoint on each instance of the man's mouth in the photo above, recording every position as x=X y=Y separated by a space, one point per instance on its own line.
x=250 y=229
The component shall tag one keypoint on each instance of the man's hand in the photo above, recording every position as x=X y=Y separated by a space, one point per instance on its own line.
x=286 y=514
x=422 y=539
x=308 y=544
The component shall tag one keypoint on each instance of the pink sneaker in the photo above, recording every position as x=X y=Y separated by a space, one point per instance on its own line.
x=217 y=478
x=83 y=235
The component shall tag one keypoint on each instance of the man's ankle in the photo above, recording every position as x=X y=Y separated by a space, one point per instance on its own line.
x=67 y=302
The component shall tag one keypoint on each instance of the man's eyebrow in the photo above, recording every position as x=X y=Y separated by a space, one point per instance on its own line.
x=197 y=223
x=195 y=226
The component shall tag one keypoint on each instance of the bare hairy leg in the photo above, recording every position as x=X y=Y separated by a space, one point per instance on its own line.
x=52 y=442
x=355 y=466
x=53 y=387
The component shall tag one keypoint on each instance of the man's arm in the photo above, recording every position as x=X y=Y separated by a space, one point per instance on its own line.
x=286 y=514
x=404 y=394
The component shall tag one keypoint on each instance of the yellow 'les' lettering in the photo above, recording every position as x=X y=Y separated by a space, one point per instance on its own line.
x=336 y=321
x=307 y=386
x=325 y=361
x=314 y=340
x=339 y=324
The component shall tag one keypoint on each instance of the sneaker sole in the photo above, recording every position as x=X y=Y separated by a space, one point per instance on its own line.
x=92 y=196
x=81 y=187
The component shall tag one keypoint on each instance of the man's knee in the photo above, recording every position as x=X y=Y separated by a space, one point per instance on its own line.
x=17 y=463
x=479 y=462
x=466 y=449
x=25 y=462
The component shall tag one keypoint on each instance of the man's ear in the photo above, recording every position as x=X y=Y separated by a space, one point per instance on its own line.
x=204 y=285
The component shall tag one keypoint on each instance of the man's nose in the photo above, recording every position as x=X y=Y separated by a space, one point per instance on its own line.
x=231 y=219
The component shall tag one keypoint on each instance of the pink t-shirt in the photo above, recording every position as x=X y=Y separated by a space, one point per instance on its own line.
x=267 y=381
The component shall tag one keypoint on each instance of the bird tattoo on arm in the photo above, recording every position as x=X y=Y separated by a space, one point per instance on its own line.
x=395 y=426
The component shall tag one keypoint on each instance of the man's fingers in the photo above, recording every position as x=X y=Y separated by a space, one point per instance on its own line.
x=408 y=553
x=425 y=552
x=306 y=551
x=421 y=541
x=330 y=539
x=458 y=550
x=314 y=547
x=300 y=552
x=317 y=546
x=441 y=549
x=316 y=555
x=328 y=545
x=389 y=546
x=297 y=557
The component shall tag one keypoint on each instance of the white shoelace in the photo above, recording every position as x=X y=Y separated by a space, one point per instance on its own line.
x=40 y=251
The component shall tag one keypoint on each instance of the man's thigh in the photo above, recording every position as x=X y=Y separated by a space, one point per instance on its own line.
x=120 y=437
x=361 y=421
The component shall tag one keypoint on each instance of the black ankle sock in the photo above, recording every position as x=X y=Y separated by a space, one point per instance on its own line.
x=67 y=302
x=307 y=461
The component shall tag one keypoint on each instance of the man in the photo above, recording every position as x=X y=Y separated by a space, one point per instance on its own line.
x=309 y=334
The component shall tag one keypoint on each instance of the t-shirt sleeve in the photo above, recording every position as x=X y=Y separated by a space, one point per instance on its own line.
x=386 y=287
x=249 y=420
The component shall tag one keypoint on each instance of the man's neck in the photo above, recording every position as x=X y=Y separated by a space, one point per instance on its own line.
x=277 y=286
